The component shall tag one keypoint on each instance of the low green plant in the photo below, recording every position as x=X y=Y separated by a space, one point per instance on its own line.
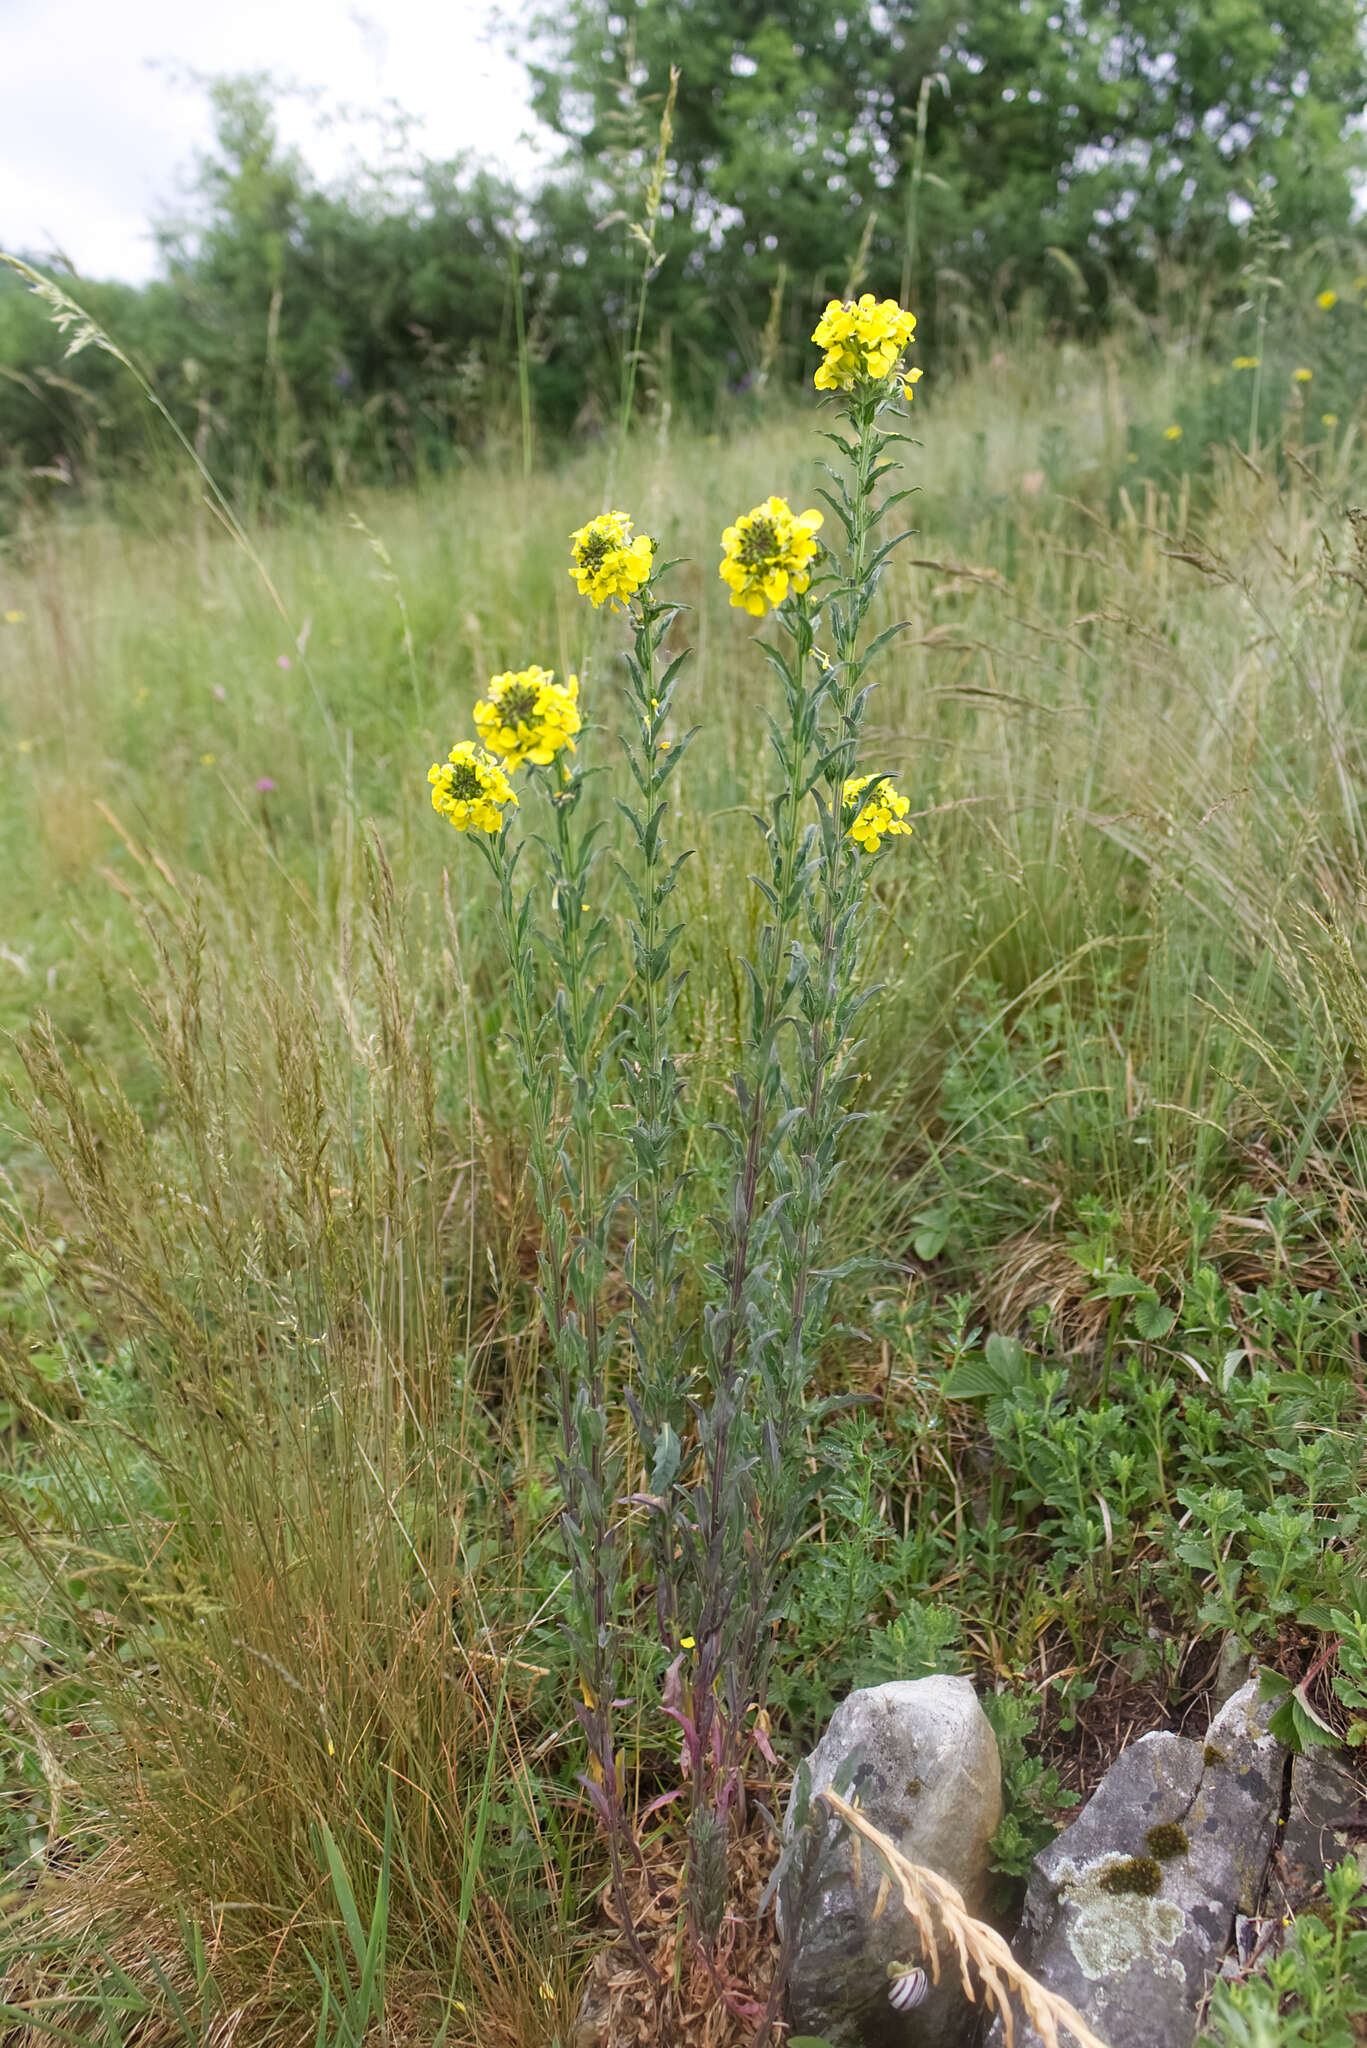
x=1313 y=1992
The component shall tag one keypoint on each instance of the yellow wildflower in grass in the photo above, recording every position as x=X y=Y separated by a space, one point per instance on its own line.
x=1329 y=419
x=14 y=618
x=1325 y=299
x=606 y=563
x=528 y=716
x=767 y=552
x=863 y=339
x=1172 y=433
x=877 y=816
x=470 y=789
x=1301 y=376
x=1245 y=362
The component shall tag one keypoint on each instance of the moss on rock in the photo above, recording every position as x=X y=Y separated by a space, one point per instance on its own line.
x=1137 y=1877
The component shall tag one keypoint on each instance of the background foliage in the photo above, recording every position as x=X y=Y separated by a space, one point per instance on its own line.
x=1098 y=160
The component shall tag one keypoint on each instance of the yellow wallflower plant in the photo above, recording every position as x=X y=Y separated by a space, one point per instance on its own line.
x=605 y=1088
x=528 y=716
x=863 y=339
x=607 y=562
x=768 y=552
x=470 y=790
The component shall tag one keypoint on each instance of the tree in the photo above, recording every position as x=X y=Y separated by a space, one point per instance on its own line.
x=1118 y=133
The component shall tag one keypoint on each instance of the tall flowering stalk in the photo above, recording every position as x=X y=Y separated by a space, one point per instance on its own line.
x=528 y=718
x=721 y=1450
x=651 y=1080
x=765 y=1322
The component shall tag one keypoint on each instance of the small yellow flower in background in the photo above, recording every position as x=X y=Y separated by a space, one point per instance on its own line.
x=26 y=746
x=766 y=552
x=1360 y=284
x=14 y=618
x=606 y=563
x=1245 y=363
x=1329 y=419
x=1325 y=299
x=1301 y=376
x=688 y=1642
x=877 y=816
x=207 y=760
x=863 y=339
x=1172 y=433
x=470 y=789
x=910 y=379
x=528 y=716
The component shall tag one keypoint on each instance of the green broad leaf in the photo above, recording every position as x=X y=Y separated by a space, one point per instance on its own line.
x=1120 y=1287
x=930 y=1241
x=974 y=1380
x=1008 y=1355
x=1295 y=1722
x=1153 y=1318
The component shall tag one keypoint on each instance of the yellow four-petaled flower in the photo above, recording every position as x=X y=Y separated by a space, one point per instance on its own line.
x=863 y=339
x=528 y=716
x=607 y=563
x=768 y=552
x=877 y=815
x=470 y=789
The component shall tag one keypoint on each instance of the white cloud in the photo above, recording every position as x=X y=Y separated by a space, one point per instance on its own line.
x=99 y=121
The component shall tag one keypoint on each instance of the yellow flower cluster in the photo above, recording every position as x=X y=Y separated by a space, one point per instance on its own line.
x=470 y=789
x=863 y=339
x=1245 y=362
x=766 y=552
x=1301 y=376
x=878 y=816
x=528 y=716
x=606 y=563
x=1327 y=298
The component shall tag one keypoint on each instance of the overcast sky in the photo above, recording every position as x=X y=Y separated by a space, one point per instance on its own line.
x=99 y=123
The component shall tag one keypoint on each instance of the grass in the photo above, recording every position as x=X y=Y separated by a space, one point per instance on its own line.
x=289 y=1753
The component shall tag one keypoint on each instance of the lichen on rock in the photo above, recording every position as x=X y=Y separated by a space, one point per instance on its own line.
x=1117 y=1923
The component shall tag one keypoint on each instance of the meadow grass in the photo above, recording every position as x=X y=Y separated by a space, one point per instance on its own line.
x=289 y=1749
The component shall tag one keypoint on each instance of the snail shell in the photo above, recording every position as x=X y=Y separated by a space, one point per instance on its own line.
x=907 y=1990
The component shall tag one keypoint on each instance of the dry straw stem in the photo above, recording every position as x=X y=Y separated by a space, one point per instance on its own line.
x=926 y=1896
